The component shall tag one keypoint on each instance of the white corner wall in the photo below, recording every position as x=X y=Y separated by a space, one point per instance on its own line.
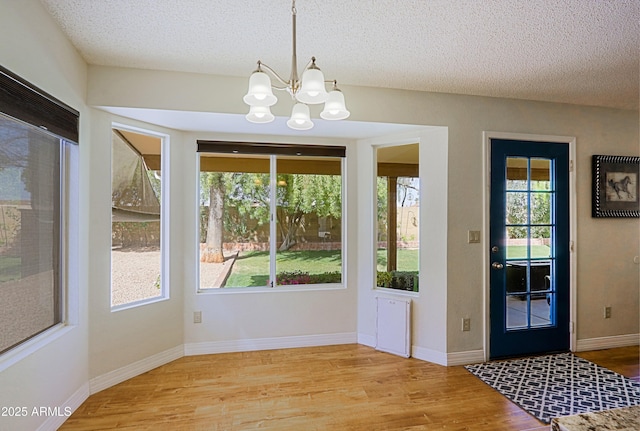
x=55 y=372
x=125 y=342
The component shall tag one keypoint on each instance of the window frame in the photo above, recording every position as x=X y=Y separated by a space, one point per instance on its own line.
x=164 y=222
x=272 y=151
x=25 y=103
x=405 y=173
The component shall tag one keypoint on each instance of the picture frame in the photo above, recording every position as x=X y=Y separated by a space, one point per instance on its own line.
x=615 y=186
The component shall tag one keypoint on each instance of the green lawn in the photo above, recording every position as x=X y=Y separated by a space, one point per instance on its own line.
x=252 y=268
x=407 y=259
x=520 y=251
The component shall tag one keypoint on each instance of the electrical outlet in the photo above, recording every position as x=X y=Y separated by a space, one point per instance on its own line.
x=466 y=324
x=197 y=317
x=607 y=312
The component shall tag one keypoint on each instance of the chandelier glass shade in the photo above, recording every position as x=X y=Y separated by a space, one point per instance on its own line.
x=260 y=114
x=309 y=90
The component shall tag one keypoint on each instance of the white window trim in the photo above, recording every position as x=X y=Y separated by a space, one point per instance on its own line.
x=164 y=220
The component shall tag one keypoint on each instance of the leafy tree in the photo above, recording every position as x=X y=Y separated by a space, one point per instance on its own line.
x=297 y=196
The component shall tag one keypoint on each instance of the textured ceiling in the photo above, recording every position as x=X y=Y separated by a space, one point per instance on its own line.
x=574 y=51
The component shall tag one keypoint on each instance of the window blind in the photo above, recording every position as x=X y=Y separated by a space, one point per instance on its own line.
x=226 y=147
x=26 y=102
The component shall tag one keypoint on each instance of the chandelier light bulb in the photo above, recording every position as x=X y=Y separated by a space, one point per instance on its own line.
x=334 y=107
x=300 y=118
x=260 y=114
x=260 y=93
x=312 y=89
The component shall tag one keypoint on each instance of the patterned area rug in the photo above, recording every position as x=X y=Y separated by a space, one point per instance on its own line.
x=558 y=385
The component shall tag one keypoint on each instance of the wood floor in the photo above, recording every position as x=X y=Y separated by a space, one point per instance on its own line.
x=346 y=387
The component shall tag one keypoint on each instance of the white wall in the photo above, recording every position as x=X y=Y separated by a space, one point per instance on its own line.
x=601 y=244
x=118 y=339
x=239 y=320
x=429 y=307
x=55 y=374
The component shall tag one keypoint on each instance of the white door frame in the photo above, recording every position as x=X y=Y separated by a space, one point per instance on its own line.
x=487 y=136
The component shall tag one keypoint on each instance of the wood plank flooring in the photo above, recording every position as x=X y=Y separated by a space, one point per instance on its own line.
x=346 y=387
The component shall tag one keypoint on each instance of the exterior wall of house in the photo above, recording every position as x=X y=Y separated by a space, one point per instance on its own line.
x=54 y=372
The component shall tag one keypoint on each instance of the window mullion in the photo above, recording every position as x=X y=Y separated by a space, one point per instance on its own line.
x=273 y=174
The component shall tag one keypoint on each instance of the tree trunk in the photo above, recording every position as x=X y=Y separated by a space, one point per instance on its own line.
x=292 y=223
x=213 y=251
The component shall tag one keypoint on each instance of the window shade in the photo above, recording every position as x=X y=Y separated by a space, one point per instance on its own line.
x=267 y=148
x=23 y=101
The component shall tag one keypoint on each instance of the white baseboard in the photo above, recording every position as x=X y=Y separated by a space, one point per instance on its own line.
x=607 y=342
x=429 y=355
x=447 y=359
x=465 y=358
x=71 y=405
x=114 y=377
x=367 y=340
x=212 y=347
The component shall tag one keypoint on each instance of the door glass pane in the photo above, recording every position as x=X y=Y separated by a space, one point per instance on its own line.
x=540 y=174
x=540 y=208
x=234 y=221
x=517 y=208
x=517 y=173
x=309 y=220
x=517 y=242
x=517 y=313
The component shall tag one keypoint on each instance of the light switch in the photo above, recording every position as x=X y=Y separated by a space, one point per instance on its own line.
x=473 y=236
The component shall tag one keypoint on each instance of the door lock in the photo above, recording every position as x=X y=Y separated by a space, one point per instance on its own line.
x=497 y=265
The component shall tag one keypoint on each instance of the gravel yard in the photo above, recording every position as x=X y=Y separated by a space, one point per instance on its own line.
x=134 y=275
x=135 y=272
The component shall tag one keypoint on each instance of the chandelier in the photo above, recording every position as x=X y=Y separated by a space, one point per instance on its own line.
x=309 y=90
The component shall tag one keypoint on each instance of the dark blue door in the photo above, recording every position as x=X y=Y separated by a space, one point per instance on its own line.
x=529 y=240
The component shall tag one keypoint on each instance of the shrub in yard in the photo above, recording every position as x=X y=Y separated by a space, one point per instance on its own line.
x=293 y=277
x=326 y=277
x=300 y=277
x=383 y=278
x=401 y=280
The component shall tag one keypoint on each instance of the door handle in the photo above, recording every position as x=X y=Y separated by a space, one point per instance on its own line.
x=497 y=265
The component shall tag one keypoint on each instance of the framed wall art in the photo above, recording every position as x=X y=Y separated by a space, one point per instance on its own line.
x=615 y=186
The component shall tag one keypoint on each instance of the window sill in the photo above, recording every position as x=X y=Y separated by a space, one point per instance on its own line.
x=279 y=289
x=139 y=303
x=31 y=346
x=398 y=292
